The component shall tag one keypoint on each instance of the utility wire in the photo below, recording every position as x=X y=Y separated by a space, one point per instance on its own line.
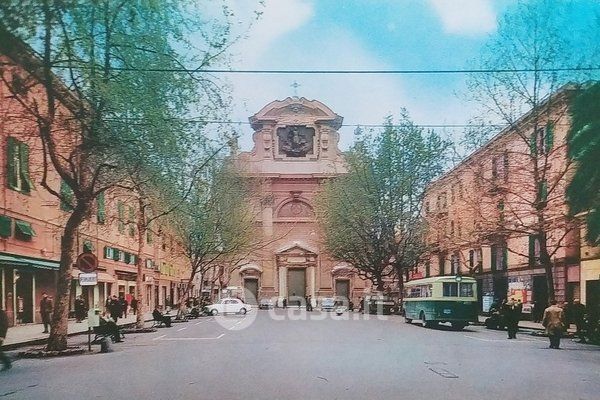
x=345 y=72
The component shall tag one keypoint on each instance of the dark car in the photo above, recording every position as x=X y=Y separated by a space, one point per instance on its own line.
x=381 y=305
x=265 y=304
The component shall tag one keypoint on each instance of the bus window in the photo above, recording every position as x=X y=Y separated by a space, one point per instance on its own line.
x=450 y=289
x=466 y=290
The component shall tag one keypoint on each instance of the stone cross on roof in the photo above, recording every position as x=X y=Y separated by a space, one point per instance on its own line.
x=295 y=85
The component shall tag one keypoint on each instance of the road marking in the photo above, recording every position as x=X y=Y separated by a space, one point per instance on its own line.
x=443 y=372
x=159 y=337
x=236 y=324
x=192 y=338
x=182 y=329
x=198 y=323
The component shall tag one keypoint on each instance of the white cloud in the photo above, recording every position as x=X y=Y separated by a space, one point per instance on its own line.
x=465 y=17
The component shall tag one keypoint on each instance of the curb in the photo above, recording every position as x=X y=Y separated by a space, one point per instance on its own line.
x=33 y=342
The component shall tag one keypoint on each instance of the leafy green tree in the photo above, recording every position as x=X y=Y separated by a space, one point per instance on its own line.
x=111 y=96
x=584 y=148
x=371 y=216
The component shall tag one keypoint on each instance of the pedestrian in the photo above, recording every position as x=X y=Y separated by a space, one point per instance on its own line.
x=45 y=310
x=361 y=304
x=578 y=315
x=284 y=302
x=309 y=306
x=79 y=309
x=511 y=312
x=134 y=305
x=554 y=322
x=3 y=330
x=124 y=305
x=114 y=308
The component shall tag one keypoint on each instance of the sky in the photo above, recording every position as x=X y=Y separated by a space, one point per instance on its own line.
x=361 y=34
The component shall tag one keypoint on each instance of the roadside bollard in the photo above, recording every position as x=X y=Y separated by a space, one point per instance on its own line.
x=104 y=346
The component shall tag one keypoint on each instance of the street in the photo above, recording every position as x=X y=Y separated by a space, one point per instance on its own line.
x=284 y=354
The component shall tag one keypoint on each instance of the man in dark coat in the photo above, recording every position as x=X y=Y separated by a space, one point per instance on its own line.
x=134 y=305
x=115 y=309
x=512 y=315
x=3 y=329
x=79 y=309
x=124 y=305
x=578 y=315
x=45 y=310
x=554 y=322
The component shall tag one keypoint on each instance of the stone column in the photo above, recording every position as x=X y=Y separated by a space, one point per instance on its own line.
x=282 y=282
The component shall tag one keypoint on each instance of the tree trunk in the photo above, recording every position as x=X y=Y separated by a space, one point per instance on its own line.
x=68 y=249
x=548 y=269
x=139 y=280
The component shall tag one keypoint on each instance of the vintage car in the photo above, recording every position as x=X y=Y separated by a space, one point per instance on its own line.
x=228 y=306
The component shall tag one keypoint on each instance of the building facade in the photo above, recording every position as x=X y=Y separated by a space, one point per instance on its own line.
x=295 y=151
x=32 y=219
x=484 y=215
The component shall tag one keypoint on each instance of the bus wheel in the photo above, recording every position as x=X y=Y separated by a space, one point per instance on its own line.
x=424 y=322
x=407 y=320
x=459 y=326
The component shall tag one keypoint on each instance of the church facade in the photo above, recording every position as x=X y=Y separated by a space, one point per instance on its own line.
x=295 y=152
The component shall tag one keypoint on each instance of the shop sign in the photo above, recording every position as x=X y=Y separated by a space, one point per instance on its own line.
x=90 y=279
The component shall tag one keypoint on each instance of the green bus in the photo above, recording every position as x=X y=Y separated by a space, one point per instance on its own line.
x=441 y=299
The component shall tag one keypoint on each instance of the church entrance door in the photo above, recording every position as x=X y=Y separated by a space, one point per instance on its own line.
x=296 y=286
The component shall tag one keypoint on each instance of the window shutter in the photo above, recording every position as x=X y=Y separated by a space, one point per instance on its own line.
x=26 y=184
x=107 y=252
x=116 y=254
x=533 y=143
x=121 y=214
x=5 y=226
x=549 y=136
x=11 y=152
x=493 y=251
x=101 y=212
x=66 y=201
x=88 y=247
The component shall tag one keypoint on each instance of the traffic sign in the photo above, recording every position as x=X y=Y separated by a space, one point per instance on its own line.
x=87 y=262
x=90 y=279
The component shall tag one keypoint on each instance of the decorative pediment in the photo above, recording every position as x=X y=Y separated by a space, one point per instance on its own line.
x=294 y=107
x=296 y=256
x=295 y=209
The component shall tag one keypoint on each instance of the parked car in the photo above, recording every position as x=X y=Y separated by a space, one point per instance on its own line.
x=265 y=304
x=228 y=306
x=381 y=305
x=327 y=304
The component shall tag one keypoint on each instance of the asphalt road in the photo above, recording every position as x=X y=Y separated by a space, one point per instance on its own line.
x=267 y=355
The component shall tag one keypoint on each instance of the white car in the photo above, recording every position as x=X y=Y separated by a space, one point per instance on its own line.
x=228 y=306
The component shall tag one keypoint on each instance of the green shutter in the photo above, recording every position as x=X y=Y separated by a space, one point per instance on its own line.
x=106 y=251
x=101 y=212
x=116 y=254
x=127 y=258
x=533 y=143
x=11 y=151
x=549 y=136
x=24 y=229
x=543 y=191
x=493 y=254
x=531 y=250
x=26 y=184
x=121 y=214
x=66 y=201
x=88 y=247
x=5 y=226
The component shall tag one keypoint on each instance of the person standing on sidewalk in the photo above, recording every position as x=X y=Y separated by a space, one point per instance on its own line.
x=554 y=322
x=3 y=329
x=578 y=315
x=134 y=305
x=45 y=310
x=80 y=310
x=511 y=314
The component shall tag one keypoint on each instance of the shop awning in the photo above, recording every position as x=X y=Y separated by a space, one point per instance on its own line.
x=14 y=260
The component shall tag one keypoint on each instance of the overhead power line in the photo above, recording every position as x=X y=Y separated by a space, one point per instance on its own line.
x=350 y=71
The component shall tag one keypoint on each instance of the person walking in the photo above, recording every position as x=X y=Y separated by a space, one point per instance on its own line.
x=115 y=308
x=3 y=330
x=554 y=322
x=309 y=306
x=134 y=305
x=124 y=305
x=79 y=309
x=578 y=315
x=45 y=310
x=510 y=310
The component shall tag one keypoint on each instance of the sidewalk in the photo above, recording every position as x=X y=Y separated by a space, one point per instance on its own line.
x=21 y=335
x=528 y=325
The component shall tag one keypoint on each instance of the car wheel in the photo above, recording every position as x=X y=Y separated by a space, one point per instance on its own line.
x=407 y=320
x=459 y=326
x=243 y=311
x=214 y=311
